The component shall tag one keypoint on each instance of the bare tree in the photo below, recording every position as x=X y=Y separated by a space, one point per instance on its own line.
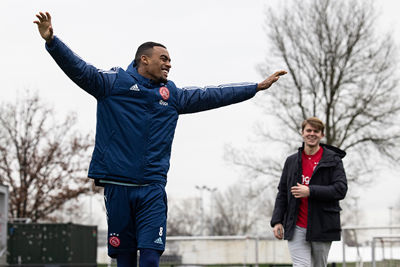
x=241 y=210
x=185 y=217
x=42 y=160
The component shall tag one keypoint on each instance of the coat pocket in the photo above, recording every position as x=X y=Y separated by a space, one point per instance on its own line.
x=331 y=219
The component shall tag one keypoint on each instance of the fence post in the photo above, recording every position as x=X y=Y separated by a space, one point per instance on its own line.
x=373 y=252
x=344 y=253
x=256 y=251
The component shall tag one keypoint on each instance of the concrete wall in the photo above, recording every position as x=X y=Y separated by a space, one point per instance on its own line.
x=227 y=250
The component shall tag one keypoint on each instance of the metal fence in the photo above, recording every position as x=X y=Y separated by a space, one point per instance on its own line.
x=371 y=245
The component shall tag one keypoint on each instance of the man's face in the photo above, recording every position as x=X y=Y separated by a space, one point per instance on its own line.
x=158 y=64
x=311 y=136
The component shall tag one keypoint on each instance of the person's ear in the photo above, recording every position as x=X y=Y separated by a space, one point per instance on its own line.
x=144 y=59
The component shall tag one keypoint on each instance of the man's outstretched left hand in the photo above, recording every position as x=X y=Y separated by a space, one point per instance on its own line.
x=270 y=80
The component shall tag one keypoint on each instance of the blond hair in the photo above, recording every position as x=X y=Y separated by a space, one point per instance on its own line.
x=314 y=122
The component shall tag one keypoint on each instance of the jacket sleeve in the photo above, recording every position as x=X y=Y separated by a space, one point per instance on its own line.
x=96 y=82
x=336 y=190
x=281 y=201
x=195 y=99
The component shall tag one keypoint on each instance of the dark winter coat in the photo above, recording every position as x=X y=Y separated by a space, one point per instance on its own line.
x=327 y=186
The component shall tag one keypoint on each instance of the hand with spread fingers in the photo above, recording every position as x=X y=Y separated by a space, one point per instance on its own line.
x=44 y=26
x=270 y=80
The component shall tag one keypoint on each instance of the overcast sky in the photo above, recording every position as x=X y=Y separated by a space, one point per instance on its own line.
x=210 y=42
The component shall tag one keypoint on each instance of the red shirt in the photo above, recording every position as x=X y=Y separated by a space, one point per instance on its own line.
x=308 y=164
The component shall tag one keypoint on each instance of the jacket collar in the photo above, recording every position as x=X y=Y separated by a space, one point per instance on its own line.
x=132 y=70
x=329 y=154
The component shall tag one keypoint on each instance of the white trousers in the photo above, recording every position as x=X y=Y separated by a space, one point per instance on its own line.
x=305 y=253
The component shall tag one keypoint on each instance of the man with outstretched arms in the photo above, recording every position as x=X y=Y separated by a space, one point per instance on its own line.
x=307 y=211
x=137 y=112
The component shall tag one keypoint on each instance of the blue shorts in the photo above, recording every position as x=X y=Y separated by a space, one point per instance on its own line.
x=136 y=217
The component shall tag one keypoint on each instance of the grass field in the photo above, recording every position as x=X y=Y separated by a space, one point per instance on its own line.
x=386 y=263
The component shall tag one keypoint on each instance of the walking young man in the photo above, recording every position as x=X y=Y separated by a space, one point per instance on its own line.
x=307 y=211
x=137 y=112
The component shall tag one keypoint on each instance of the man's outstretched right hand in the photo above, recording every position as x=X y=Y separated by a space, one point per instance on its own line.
x=44 y=26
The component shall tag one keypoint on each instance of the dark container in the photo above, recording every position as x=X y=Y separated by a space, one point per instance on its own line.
x=37 y=244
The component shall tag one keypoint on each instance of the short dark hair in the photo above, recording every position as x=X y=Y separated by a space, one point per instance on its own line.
x=314 y=122
x=145 y=49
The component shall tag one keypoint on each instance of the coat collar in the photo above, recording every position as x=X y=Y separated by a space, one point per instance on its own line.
x=329 y=154
x=335 y=150
x=132 y=70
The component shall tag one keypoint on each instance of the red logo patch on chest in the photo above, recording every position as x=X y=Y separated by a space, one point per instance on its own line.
x=114 y=241
x=164 y=92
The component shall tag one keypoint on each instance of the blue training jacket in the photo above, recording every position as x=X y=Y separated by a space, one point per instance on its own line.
x=136 y=118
